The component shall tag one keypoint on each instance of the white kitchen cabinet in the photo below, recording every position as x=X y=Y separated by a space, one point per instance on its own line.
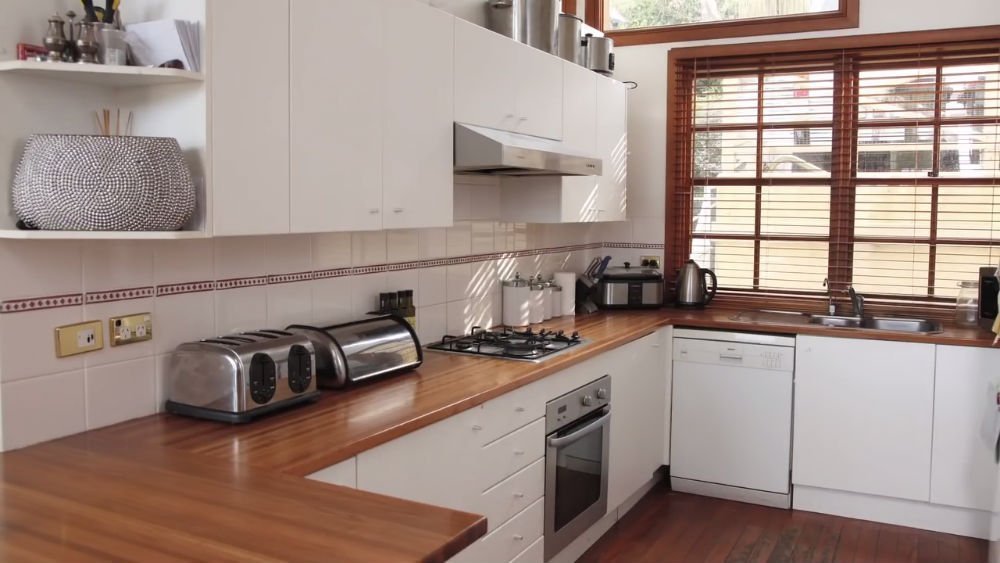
x=638 y=392
x=418 y=117
x=336 y=117
x=612 y=147
x=963 y=469
x=344 y=474
x=503 y=84
x=863 y=416
x=249 y=118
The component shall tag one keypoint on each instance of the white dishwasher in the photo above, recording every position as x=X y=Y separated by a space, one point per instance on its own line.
x=731 y=429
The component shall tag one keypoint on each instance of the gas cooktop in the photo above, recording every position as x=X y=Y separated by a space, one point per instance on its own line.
x=508 y=343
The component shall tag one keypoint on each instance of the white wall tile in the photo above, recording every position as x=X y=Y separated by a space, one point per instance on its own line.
x=484 y=280
x=459 y=281
x=240 y=257
x=289 y=303
x=432 y=323
x=403 y=245
x=183 y=261
x=40 y=268
x=459 y=241
x=239 y=310
x=368 y=248
x=26 y=343
x=160 y=384
x=113 y=354
x=289 y=254
x=332 y=300
x=364 y=293
x=649 y=231
x=331 y=250
x=433 y=243
x=120 y=392
x=43 y=408
x=182 y=318
x=111 y=265
x=482 y=237
x=459 y=317
x=432 y=286
x=404 y=279
x=503 y=237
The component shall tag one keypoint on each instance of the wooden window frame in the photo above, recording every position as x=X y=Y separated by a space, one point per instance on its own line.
x=847 y=17
x=680 y=128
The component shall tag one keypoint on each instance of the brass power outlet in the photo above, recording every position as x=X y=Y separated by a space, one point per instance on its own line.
x=79 y=338
x=650 y=262
x=131 y=329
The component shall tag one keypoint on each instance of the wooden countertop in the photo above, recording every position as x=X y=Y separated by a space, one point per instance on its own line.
x=176 y=488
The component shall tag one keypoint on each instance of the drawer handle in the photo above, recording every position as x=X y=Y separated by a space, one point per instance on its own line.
x=518 y=495
x=518 y=452
x=373 y=211
x=398 y=210
x=518 y=537
x=476 y=428
x=519 y=409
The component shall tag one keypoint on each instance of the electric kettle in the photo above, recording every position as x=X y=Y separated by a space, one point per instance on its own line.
x=692 y=287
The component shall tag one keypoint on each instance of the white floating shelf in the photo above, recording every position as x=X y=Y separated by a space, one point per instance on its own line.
x=101 y=235
x=107 y=75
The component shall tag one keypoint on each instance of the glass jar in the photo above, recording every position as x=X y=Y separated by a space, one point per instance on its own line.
x=967 y=304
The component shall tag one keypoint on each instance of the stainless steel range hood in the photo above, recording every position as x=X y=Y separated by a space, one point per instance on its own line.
x=480 y=150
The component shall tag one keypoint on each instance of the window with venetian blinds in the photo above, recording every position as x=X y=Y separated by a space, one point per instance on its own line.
x=877 y=167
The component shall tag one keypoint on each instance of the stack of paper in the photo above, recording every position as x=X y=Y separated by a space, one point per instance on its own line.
x=157 y=42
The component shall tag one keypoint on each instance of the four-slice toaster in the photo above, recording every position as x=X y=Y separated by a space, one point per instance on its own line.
x=240 y=377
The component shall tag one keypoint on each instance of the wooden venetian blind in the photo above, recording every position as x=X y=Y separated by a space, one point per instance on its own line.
x=877 y=167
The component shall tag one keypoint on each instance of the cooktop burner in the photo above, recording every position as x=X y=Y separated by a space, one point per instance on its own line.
x=508 y=343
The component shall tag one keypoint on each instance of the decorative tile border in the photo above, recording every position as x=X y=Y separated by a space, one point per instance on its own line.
x=120 y=295
x=39 y=303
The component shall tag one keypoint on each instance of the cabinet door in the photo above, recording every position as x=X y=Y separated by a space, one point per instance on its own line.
x=336 y=116
x=612 y=147
x=249 y=113
x=638 y=392
x=418 y=117
x=863 y=416
x=539 y=80
x=963 y=469
x=435 y=465
x=579 y=108
x=485 y=67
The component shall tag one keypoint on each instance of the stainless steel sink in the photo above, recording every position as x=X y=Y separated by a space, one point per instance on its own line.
x=924 y=326
x=835 y=321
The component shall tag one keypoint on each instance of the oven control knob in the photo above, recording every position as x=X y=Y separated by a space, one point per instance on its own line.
x=602 y=394
x=587 y=400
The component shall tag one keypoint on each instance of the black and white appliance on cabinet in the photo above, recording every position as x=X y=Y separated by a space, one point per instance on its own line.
x=577 y=444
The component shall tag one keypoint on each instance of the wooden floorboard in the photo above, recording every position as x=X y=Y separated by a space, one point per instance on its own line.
x=667 y=527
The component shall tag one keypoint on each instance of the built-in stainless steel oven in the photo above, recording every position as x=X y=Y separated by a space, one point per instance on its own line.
x=578 y=431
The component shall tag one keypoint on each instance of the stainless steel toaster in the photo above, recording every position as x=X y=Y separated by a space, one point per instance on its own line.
x=240 y=377
x=362 y=350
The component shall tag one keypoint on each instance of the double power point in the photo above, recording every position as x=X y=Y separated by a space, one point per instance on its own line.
x=89 y=336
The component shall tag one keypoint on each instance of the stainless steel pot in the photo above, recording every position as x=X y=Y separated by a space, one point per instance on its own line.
x=541 y=24
x=570 y=39
x=600 y=54
x=506 y=18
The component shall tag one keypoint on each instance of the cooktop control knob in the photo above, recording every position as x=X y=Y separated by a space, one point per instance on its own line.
x=602 y=394
x=299 y=369
x=263 y=378
x=587 y=400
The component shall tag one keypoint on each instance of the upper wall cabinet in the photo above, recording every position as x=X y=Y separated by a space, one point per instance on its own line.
x=249 y=117
x=503 y=84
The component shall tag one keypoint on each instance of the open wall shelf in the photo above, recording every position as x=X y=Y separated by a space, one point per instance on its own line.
x=106 y=75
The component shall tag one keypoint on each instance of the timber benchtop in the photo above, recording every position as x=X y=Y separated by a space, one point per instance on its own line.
x=167 y=487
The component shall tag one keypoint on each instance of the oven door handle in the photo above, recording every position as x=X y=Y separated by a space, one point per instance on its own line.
x=586 y=430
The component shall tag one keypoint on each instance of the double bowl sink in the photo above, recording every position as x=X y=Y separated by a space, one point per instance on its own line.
x=887 y=324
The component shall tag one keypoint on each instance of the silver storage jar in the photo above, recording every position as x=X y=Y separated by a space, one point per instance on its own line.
x=570 y=38
x=541 y=24
x=506 y=18
x=600 y=54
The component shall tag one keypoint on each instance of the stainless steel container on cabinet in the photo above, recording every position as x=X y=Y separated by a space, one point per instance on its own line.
x=599 y=54
x=541 y=24
x=506 y=17
x=570 y=39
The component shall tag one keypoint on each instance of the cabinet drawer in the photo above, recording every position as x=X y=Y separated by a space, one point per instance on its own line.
x=510 y=454
x=534 y=554
x=514 y=494
x=508 y=541
x=507 y=413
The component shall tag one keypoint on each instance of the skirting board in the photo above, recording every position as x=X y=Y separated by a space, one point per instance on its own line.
x=580 y=545
x=922 y=515
x=727 y=492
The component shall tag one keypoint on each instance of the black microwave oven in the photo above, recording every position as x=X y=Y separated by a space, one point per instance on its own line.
x=989 y=289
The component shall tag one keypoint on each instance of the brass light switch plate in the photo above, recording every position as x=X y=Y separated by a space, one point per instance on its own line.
x=131 y=329
x=79 y=338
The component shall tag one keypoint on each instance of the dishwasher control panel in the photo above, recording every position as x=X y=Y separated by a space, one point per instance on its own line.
x=739 y=354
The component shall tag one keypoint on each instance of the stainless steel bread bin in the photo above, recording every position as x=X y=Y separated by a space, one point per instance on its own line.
x=362 y=350
x=240 y=377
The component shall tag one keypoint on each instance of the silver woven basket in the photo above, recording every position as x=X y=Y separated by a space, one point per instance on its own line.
x=97 y=183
